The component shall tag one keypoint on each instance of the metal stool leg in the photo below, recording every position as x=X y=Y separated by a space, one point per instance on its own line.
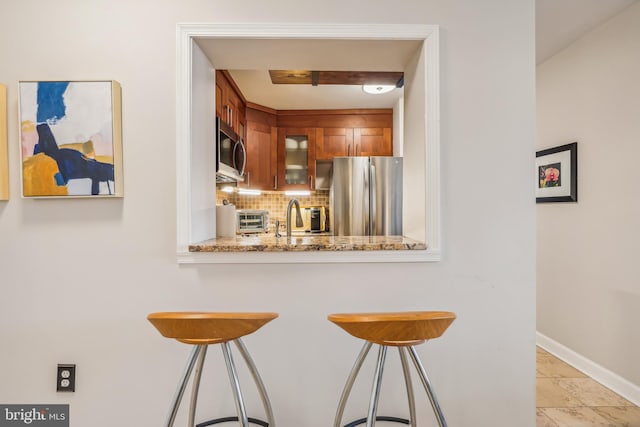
x=235 y=384
x=256 y=378
x=177 y=398
x=375 y=389
x=407 y=381
x=196 y=386
x=352 y=377
x=427 y=386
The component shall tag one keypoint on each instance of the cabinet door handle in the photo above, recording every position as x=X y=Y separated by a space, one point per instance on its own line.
x=348 y=150
x=310 y=182
x=248 y=178
x=275 y=182
x=356 y=153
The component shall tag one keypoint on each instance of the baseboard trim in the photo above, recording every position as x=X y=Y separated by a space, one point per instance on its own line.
x=611 y=380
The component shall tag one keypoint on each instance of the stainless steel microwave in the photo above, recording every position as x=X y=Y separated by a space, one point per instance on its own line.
x=231 y=155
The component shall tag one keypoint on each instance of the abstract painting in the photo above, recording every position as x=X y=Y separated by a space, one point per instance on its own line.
x=71 y=139
x=4 y=162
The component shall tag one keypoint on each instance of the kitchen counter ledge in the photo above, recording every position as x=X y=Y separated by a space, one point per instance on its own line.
x=307 y=243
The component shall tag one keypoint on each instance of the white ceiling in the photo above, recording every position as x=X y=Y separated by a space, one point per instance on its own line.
x=256 y=86
x=310 y=54
x=561 y=22
x=250 y=59
x=558 y=24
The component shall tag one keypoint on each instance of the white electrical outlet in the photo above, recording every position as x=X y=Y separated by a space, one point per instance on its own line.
x=66 y=380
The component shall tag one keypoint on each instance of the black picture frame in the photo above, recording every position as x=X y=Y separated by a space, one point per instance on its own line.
x=557 y=174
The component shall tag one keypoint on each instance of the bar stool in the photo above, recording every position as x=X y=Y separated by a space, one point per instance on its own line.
x=403 y=330
x=201 y=330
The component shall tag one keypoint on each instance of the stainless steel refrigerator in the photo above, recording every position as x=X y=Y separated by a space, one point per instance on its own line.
x=366 y=196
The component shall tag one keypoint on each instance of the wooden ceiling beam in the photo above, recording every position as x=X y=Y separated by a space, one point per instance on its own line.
x=337 y=77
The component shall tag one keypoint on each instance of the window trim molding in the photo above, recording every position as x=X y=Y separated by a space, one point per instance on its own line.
x=429 y=34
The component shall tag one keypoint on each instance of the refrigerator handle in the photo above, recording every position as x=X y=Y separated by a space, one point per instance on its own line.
x=373 y=215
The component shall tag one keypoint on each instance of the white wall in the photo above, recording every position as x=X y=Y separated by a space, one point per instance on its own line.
x=79 y=276
x=588 y=293
x=413 y=164
x=202 y=152
x=398 y=127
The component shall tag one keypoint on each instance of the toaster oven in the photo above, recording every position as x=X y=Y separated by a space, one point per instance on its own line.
x=252 y=221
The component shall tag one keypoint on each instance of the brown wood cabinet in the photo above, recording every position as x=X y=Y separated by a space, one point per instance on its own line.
x=334 y=142
x=296 y=158
x=261 y=146
x=372 y=142
x=352 y=132
x=283 y=146
x=230 y=105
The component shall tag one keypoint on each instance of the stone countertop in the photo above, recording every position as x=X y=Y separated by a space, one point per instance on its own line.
x=307 y=243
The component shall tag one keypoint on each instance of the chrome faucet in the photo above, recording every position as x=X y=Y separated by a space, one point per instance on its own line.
x=299 y=222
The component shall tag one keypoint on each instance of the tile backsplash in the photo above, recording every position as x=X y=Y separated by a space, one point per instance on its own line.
x=273 y=201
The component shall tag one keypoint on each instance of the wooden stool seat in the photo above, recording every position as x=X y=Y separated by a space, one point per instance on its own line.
x=201 y=329
x=403 y=330
x=395 y=329
x=208 y=328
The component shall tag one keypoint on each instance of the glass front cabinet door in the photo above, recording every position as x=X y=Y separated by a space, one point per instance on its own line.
x=296 y=159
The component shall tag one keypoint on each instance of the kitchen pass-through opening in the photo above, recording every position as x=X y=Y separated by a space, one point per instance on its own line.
x=205 y=47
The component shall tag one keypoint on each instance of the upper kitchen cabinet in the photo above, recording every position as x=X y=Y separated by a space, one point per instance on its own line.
x=261 y=146
x=348 y=132
x=372 y=142
x=335 y=142
x=296 y=158
x=230 y=104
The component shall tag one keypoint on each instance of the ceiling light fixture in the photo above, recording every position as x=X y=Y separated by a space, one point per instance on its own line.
x=377 y=89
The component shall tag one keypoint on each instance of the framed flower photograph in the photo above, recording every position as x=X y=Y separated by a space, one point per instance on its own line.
x=557 y=174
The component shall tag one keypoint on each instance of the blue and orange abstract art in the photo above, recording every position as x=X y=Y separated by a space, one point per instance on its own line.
x=4 y=160
x=70 y=136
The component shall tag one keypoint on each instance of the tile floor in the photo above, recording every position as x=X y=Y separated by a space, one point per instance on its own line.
x=565 y=397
